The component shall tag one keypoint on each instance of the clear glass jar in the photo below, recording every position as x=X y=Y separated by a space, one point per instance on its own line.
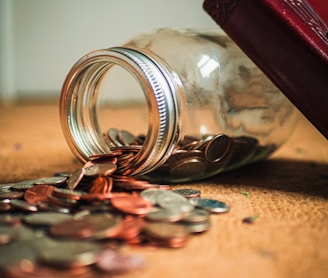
x=197 y=106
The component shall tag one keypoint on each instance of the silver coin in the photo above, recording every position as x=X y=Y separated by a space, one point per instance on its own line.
x=113 y=137
x=69 y=253
x=13 y=254
x=211 y=205
x=171 y=200
x=8 y=234
x=188 y=192
x=56 y=180
x=164 y=215
x=23 y=206
x=197 y=215
x=114 y=262
x=198 y=227
x=125 y=137
x=151 y=195
x=23 y=185
x=75 y=178
x=45 y=218
x=94 y=169
x=164 y=231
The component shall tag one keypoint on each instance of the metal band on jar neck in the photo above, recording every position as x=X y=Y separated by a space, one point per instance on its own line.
x=161 y=86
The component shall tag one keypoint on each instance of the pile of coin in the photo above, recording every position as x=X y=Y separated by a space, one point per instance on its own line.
x=193 y=158
x=76 y=224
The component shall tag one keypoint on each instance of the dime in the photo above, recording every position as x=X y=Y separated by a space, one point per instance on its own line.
x=188 y=192
x=211 y=205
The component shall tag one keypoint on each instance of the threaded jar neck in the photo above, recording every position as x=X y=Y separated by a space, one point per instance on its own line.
x=163 y=92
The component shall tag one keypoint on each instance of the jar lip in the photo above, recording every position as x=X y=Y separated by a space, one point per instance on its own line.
x=163 y=91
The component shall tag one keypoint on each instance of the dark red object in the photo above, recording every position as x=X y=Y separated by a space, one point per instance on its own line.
x=288 y=40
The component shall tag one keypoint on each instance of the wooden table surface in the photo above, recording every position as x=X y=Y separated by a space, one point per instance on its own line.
x=288 y=192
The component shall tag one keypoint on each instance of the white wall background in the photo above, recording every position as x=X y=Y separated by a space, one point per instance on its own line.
x=41 y=39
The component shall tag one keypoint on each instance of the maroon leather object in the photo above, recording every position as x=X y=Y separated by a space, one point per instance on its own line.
x=288 y=40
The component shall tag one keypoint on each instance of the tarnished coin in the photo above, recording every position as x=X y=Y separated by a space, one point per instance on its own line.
x=10 y=219
x=217 y=148
x=189 y=166
x=8 y=234
x=46 y=218
x=170 y=234
x=68 y=254
x=95 y=226
x=211 y=205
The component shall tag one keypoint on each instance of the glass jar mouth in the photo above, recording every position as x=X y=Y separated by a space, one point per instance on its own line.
x=162 y=89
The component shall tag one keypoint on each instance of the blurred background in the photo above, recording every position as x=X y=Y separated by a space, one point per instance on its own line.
x=40 y=40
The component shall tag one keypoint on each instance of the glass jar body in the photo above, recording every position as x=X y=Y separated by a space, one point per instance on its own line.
x=214 y=109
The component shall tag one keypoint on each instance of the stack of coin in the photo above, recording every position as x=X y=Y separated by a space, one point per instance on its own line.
x=76 y=223
x=193 y=158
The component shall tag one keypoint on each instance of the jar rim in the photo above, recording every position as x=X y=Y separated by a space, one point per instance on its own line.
x=163 y=91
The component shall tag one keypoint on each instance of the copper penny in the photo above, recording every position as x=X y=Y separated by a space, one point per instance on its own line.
x=38 y=193
x=133 y=204
x=101 y=184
